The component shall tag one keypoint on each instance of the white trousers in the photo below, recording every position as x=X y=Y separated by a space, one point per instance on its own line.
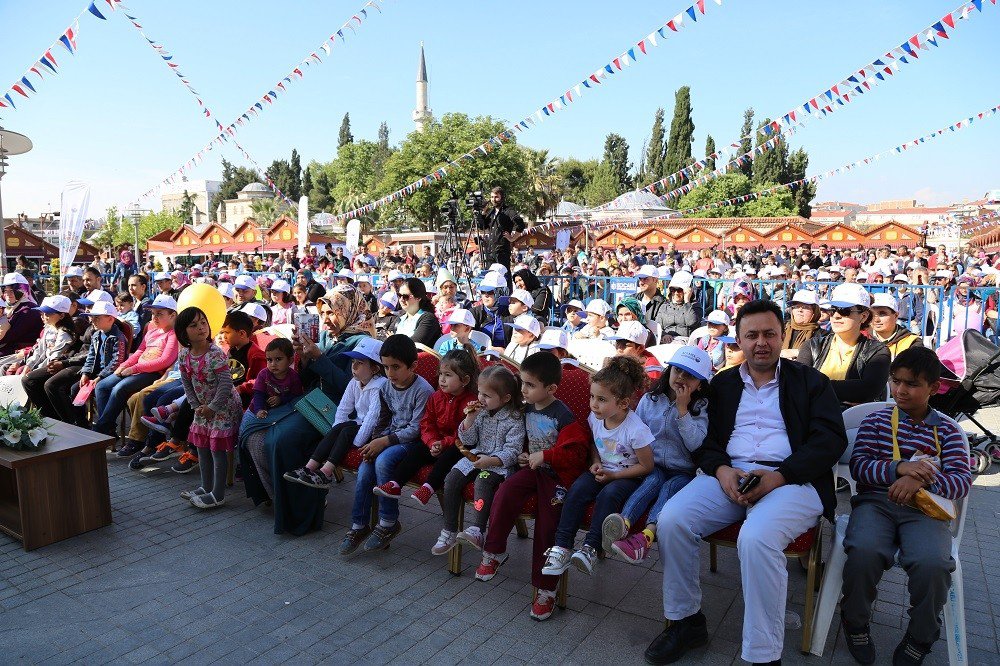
x=702 y=508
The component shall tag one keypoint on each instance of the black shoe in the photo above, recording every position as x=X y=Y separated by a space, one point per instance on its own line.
x=677 y=639
x=859 y=643
x=776 y=662
x=137 y=463
x=128 y=449
x=381 y=536
x=909 y=652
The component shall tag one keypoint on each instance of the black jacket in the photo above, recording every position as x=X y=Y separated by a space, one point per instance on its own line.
x=428 y=329
x=497 y=223
x=653 y=307
x=867 y=376
x=812 y=419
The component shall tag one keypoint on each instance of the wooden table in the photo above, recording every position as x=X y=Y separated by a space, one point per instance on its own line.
x=57 y=492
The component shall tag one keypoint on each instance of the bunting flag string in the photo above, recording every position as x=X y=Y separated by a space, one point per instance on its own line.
x=866 y=161
x=591 y=82
x=226 y=132
x=47 y=63
x=857 y=83
x=168 y=59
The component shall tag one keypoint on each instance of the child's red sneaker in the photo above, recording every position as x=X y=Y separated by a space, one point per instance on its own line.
x=489 y=566
x=543 y=604
x=388 y=489
x=423 y=494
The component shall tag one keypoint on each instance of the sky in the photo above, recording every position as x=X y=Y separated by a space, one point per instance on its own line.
x=115 y=116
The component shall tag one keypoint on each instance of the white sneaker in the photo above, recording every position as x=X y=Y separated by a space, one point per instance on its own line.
x=472 y=537
x=557 y=560
x=584 y=559
x=446 y=541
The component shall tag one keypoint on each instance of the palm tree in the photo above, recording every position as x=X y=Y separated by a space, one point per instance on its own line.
x=544 y=188
x=265 y=211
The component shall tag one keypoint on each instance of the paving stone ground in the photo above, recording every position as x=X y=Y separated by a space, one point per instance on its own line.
x=169 y=584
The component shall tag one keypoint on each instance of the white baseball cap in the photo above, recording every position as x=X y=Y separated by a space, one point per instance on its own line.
x=693 y=361
x=395 y=274
x=367 y=349
x=228 y=290
x=645 y=271
x=554 y=338
x=804 y=297
x=846 y=295
x=156 y=276
x=718 y=317
x=164 y=302
x=347 y=273
x=245 y=282
x=102 y=308
x=886 y=301
x=598 y=307
x=823 y=276
x=461 y=316
x=632 y=331
x=901 y=278
x=825 y=304
x=390 y=300
x=523 y=296
x=255 y=310
x=74 y=271
x=13 y=279
x=941 y=273
x=95 y=296
x=498 y=268
x=575 y=303
x=681 y=279
x=528 y=323
x=53 y=304
x=279 y=285
x=362 y=277
x=492 y=281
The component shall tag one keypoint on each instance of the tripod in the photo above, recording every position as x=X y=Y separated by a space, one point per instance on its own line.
x=454 y=255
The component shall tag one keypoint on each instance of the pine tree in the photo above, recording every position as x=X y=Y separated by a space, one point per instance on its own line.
x=678 y=148
x=616 y=158
x=383 y=137
x=345 y=131
x=652 y=169
x=306 y=181
x=709 y=150
x=383 y=152
x=769 y=168
x=746 y=131
x=295 y=188
x=798 y=163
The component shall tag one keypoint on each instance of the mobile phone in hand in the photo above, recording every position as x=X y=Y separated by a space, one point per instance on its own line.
x=748 y=483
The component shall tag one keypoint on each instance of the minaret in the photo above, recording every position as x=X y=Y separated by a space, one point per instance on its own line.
x=421 y=114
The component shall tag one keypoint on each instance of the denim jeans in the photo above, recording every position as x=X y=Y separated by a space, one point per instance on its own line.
x=608 y=498
x=659 y=486
x=160 y=397
x=375 y=473
x=112 y=393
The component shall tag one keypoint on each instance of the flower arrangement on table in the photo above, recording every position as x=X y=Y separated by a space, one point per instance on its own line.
x=21 y=428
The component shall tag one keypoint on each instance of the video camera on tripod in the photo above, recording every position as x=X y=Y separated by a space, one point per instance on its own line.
x=458 y=234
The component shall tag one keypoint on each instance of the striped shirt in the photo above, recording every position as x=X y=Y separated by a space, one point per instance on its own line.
x=872 y=464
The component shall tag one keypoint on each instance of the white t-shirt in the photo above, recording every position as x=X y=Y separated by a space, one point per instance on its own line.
x=617 y=446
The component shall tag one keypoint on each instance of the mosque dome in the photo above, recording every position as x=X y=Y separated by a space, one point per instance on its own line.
x=640 y=199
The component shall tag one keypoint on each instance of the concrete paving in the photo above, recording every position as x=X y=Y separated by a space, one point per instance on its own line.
x=169 y=584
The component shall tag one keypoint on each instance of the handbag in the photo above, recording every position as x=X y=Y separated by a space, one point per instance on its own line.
x=318 y=409
x=930 y=504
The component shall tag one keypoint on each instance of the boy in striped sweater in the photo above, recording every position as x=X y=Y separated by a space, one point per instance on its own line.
x=899 y=451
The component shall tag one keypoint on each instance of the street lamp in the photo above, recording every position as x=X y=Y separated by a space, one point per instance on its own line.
x=136 y=214
x=11 y=143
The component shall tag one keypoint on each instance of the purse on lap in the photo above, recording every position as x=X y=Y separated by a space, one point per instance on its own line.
x=318 y=409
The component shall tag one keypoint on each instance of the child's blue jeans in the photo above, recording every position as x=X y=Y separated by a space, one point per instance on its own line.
x=373 y=473
x=658 y=486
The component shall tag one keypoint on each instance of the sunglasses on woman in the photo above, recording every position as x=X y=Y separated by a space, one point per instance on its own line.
x=405 y=297
x=848 y=311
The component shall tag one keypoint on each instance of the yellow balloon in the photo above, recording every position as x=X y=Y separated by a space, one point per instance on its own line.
x=207 y=299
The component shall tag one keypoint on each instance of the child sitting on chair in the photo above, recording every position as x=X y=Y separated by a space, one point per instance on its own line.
x=900 y=451
x=522 y=344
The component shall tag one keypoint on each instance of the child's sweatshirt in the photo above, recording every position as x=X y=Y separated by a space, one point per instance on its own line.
x=674 y=438
x=107 y=351
x=363 y=402
x=500 y=434
x=402 y=409
x=157 y=352
x=444 y=413
x=54 y=345
x=872 y=461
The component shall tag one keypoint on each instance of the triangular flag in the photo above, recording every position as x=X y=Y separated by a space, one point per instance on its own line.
x=26 y=82
x=93 y=10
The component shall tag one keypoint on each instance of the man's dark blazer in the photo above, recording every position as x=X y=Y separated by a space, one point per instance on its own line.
x=812 y=418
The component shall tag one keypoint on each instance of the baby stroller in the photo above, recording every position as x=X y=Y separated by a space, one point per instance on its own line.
x=970 y=380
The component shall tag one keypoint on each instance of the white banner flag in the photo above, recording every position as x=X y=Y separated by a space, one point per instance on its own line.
x=73 y=213
x=354 y=235
x=303 y=226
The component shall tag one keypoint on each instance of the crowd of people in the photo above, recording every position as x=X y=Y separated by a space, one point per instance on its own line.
x=735 y=414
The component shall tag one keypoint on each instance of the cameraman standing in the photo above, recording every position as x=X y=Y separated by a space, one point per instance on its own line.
x=503 y=226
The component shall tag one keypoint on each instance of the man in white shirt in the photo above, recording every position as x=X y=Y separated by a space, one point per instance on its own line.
x=773 y=419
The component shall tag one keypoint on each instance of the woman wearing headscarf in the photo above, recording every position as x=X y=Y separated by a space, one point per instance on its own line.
x=542 y=309
x=803 y=324
x=20 y=324
x=418 y=321
x=965 y=310
x=631 y=309
x=314 y=290
x=125 y=269
x=284 y=440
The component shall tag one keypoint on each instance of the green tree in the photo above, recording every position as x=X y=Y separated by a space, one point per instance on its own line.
x=321 y=193
x=709 y=151
x=118 y=232
x=544 y=184
x=287 y=176
x=454 y=134
x=798 y=163
x=769 y=166
x=616 y=157
x=383 y=152
x=354 y=170
x=307 y=183
x=574 y=175
x=603 y=186
x=105 y=235
x=726 y=186
x=652 y=165
x=295 y=190
x=265 y=211
x=187 y=207
x=780 y=203
x=678 y=149
x=234 y=179
x=746 y=142
x=345 y=132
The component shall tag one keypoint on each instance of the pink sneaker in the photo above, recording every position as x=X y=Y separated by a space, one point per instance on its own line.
x=388 y=489
x=632 y=549
x=164 y=413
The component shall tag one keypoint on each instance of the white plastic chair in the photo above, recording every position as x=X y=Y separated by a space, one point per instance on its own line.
x=833 y=576
x=592 y=352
